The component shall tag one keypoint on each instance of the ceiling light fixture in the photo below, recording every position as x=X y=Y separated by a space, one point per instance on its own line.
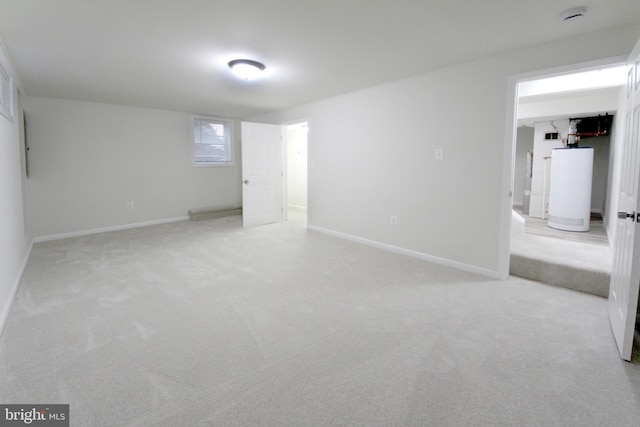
x=246 y=68
x=573 y=13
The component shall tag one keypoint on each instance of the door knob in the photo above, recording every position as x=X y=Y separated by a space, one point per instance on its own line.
x=634 y=216
x=246 y=181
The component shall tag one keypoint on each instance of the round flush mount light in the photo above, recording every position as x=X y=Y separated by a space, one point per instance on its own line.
x=246 y=68
x=573 y=14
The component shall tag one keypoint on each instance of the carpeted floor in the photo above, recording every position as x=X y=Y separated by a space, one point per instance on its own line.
x=575 y=260
x=206 y=323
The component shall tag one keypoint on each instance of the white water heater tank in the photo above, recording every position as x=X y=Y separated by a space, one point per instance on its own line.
x=570 y=192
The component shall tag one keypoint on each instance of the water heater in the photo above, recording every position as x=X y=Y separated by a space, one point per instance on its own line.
x=570 y=191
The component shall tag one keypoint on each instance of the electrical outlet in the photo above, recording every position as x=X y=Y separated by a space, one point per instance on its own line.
x=393 y=220
x=439 y=154
x=130 y=205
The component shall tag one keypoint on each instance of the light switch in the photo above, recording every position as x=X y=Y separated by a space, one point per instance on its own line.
x=439 y=154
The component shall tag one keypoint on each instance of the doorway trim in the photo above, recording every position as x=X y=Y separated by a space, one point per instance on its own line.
x=508 y=161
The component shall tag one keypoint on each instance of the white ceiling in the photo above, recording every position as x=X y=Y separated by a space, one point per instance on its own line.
x=579 y=94
x=173 y=53
x=611 y=76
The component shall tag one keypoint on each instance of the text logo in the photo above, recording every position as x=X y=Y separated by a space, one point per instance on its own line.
x=34 y=415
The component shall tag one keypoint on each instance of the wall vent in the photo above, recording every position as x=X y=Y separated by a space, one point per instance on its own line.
x=551 y=136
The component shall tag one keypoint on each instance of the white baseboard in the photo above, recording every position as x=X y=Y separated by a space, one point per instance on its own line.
x=107 y=229
x=443 y=261
x=302 y=208
x=4 y=313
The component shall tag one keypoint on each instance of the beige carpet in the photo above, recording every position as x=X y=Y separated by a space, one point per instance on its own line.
x=207 y=324
x=575 y=260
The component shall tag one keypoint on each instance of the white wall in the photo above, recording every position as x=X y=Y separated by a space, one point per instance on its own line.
x=297 y=166
x=524 y=143
x=541 y=174
x=14 y=237
x=601 y=149
x=372 y=154
x=87 y=160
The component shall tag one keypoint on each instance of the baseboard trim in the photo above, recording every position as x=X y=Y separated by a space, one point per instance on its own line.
x=213 y=213
x=4 y=314
x=302 y=208
x=403 y=251
x=107 y=229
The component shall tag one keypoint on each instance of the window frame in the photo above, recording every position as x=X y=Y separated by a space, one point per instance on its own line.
x=6 y=95
x=228 y=127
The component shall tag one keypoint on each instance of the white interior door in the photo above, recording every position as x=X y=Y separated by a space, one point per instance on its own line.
x=625 y=276
x=261 y=173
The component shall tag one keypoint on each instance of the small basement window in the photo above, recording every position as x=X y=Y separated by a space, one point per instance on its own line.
x=6 y=92
x=212 y=142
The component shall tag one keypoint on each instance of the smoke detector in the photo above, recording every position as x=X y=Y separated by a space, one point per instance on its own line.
x=573 y=13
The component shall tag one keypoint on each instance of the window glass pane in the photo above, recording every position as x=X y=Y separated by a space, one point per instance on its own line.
x=212 y=142
x=5 y=94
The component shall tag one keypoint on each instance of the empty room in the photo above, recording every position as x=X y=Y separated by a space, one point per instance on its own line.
x=279 y=212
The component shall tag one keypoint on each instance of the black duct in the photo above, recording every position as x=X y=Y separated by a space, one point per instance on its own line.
x=588 y=127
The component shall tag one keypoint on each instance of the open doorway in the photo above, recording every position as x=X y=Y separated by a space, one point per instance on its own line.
x=297 y=141
x=547 y=108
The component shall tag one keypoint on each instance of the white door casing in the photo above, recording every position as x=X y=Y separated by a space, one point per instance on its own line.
x=262 y=187
x=625 y=275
